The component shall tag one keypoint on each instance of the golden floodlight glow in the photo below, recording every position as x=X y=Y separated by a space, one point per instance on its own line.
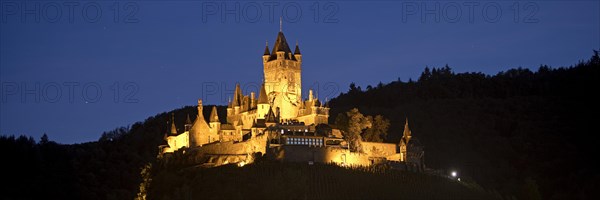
x=241 y=164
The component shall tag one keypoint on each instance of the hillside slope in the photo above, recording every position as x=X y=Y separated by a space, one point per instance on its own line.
x=511 y=131
x=274 y=180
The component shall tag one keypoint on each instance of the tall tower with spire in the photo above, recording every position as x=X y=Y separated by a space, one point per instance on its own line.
x=282 y=77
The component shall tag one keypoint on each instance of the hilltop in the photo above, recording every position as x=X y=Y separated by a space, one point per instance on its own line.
x=522 y=133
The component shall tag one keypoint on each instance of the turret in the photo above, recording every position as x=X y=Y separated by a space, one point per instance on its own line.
x=297 y=53
x=266 y=54
x=263 y=103
x=188 y=123
x=229 y=108
x=173 y=128
x=237 y=99
x=199 y=128
x=407 y=133
x=215 y=124
x=252 y=100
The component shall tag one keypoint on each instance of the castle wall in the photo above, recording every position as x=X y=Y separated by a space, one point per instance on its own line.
x=313 y=119
x=252 y=145
x=177 y=142
x=378 y=149
x=320 y=154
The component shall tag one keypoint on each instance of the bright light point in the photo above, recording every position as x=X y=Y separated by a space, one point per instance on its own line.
x=453 y=174
x=241 y=164
x=458 y=179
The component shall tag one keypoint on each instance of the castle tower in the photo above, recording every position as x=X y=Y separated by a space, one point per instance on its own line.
x=266 y=54
x=407 y=134
x=188 y=123
x=404 y=141
x=252 y=100
x=263 y=103
x=229 y=108
x=282 y=77
x=237 y=99
x=297 y=53
x=173 y=128
x=215 y=124
x=200 y=129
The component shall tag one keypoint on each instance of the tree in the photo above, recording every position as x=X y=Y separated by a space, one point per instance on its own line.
x=378 y=130
x=352 y=125
x=44 y=139
x=426 y=75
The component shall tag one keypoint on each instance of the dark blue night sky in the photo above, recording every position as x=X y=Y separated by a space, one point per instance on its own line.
x=75 y=76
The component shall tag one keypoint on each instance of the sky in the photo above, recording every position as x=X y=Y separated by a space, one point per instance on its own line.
x=74 y=69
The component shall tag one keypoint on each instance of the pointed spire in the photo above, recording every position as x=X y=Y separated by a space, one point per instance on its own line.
x=262 y=96
x=236 y=96
x=407 y=133
x=267 y=52
x=280 y=24
x=173 y=128
x=188 y=123
x=297 y=50
x=214 y=117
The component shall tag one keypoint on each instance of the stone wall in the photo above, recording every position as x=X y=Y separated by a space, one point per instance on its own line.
x=378 y=149
x=319 y=154
x=250 y=146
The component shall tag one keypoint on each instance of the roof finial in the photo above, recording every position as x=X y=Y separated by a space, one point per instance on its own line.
x=280 y=24
x=267 y=42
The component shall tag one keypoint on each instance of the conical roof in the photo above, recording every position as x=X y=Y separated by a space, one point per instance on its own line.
x=237 y=96
x=297 y=50
x=267 y=52
x=214 y=117
x=281 y=45
x=270 y=116
x=188 y=121
x=262 y=96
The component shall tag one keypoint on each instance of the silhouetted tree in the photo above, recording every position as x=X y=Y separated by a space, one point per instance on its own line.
x=378 y=131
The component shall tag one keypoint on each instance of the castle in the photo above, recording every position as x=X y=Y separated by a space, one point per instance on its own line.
x=278 y=123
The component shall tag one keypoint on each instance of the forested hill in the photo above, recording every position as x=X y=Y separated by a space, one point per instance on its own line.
x=509 y=131
x=519 y=132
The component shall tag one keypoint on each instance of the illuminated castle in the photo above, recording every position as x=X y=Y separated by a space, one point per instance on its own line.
x=278 y=123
